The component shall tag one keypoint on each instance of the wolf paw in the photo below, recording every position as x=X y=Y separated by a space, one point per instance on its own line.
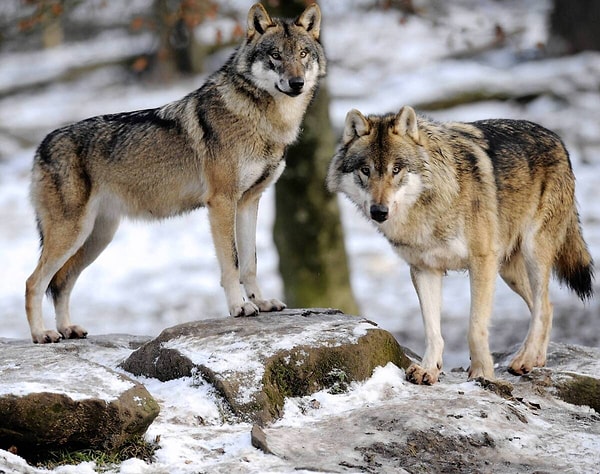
x=73 y=332
x=480 y=373
x=482 y=366
x=269 y=305
x=522 y=365
x=46 y=337
x=245 y=309
x=420 y=376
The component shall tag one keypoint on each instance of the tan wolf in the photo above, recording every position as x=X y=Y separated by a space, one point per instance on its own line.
x=493 y=196
x=219 y=147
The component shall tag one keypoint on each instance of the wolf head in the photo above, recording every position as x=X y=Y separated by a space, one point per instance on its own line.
x=381 y=164
x=282 y=56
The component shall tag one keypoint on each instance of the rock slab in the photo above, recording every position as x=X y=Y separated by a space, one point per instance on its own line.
x=256 y=362
x=50 y=398
x=513 y=425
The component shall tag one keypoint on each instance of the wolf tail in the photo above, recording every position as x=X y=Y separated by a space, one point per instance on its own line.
x=574 y=265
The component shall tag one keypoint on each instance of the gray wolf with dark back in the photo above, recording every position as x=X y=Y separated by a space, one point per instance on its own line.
x=494 y=196
x=218 y=147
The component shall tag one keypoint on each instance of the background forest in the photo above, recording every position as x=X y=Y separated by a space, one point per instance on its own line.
x=62 y=61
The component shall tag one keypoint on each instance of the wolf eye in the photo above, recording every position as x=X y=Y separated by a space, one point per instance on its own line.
x=303 y=53
x=395 y=170
x=365 y=170
x=276 y=55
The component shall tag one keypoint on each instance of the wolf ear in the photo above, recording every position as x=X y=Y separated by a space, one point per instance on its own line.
x=258 y=20
x=405 y=123
x=356 y=125
x=310 y=20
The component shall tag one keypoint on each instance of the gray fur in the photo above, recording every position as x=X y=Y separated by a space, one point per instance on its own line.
x=220 y=147
x=492 y=197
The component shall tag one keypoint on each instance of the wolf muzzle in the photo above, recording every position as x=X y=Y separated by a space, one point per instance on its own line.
x=294 y=88
x=379 y=212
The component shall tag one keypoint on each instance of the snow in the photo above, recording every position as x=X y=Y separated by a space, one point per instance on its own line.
x=56 y=385
x=157 y=275
x=37 y=371
x=109 y=47
x=386 y=383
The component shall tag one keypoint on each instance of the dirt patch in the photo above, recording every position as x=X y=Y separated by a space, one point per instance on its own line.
x=430 y=451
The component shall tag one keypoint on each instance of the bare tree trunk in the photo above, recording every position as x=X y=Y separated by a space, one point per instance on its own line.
x=575 y=26
x=179 y=52
x=308 y=230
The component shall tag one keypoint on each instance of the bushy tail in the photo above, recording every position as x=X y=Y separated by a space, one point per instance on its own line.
x=574 y=265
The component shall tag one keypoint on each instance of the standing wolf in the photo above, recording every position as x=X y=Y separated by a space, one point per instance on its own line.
x=218 y=147
x=494 y=196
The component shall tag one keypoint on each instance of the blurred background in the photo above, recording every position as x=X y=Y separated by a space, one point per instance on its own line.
x=63 y=61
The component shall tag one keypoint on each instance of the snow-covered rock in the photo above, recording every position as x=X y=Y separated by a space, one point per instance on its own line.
x=255 y=363
x=513 y=425
x=51 y=398
x=546 y=421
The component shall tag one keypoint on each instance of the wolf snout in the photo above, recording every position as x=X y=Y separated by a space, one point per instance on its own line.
x=379 y=212
x=296 y=83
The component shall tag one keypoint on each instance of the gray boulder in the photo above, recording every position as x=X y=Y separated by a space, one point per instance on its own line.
x=256 y=362
x=51 y=398
x=546 y=421
x=512 y=425
x=572 y=374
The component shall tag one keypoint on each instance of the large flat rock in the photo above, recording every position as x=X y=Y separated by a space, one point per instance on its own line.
x=515 y=425
x=50 y=398
x=256 y=362
x=545 y=422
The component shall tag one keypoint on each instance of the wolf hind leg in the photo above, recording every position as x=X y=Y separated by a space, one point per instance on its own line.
x=64 y=280
x=60 y=242
x=428 y=284
x=537 y=263
x=514 y=274
x=246 y=242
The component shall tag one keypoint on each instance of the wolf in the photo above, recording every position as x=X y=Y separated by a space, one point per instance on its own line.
x=492 y=197
x=219 y=147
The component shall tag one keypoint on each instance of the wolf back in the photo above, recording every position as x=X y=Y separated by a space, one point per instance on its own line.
x=219 y=147
x=494 y=196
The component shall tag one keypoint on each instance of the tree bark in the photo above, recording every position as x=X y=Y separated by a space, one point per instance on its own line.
x=574 y=26
x=179 y=52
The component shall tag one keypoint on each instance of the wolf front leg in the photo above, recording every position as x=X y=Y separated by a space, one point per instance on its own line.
x=428 y=283
x=222 y=216
x=246 y=217
x=482 y=276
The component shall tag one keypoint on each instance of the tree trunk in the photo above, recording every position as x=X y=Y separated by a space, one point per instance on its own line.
x=308 y=230
x=574 y=26
x=179 y=52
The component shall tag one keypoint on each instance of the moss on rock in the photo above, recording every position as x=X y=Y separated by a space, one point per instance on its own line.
x=305 y=370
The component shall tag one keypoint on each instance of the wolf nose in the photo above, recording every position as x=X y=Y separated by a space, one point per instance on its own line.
x=296 y=83
x=379 y=212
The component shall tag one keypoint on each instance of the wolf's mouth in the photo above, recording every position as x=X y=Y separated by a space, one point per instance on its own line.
x=290 y=93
